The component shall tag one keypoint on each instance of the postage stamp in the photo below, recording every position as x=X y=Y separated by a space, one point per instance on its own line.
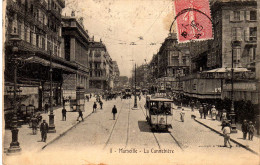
x=193 y=20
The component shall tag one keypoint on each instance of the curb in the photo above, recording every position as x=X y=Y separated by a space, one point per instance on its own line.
x=63 y=133
x=238 y=143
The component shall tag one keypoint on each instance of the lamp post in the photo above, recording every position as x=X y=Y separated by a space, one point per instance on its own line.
x=135 y=100
x=179 y=88
x=14 y=145
x=232 y=112
x=51 y=115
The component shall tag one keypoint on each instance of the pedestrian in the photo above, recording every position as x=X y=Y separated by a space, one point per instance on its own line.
x=205 y=110
x=101 y=104
x=244 y=128
x=226 y=132
x=251 y=130
x=34 y=124
x=213 y=112
x=192 y=105
x=114 y=111
x=94 y=107
x=224 y=115
x=46 y=107
x=44 y=130
x=80 y=115
x=182 y=115
x=201 y=111
x=39 y=118
x=64 y=112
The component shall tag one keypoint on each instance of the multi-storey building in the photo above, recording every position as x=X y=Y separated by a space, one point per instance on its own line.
x=170 y=62
x=116 y=74
x=75 y=48
x=100 y=67
x=235 y=42
x=38 y=26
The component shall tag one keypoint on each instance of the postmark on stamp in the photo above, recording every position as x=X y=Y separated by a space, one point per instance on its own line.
x=193 y=20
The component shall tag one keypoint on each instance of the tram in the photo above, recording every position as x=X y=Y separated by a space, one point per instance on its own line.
x=128 y=93
x=159 y=113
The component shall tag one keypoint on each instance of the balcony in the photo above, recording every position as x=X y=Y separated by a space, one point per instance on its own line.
x=42 y=3
x=13 y=6
x=55 y=13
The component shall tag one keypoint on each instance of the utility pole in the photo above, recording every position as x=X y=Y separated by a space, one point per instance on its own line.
x=51 y=116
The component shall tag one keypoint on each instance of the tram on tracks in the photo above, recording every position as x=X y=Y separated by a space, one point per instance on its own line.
x=159 y=113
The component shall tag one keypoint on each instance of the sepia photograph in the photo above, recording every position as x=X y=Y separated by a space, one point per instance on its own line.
x=130 y=82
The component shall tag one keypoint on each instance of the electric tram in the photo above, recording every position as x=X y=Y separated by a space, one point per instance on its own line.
x=159 y=113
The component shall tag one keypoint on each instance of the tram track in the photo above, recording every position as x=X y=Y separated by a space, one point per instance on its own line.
x=110 y=135
x=156 y=138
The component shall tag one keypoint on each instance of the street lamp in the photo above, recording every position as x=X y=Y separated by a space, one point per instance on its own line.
x=232 y=112
x=51 y=115
x=135 y=100
x=14 y=145
x=179 y=88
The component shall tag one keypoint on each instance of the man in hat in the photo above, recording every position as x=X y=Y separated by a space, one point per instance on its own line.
x=64 y=112
x=34 y=124
x=80 y=115
x=94 y=107
x=44 y=130
x=251 y=130
x=226 y=133
x=114 y=111
x=244 y=128
x=224 y=115
x=205 y=110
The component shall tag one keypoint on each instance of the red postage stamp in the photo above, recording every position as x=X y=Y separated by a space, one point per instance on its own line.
x=193 y=20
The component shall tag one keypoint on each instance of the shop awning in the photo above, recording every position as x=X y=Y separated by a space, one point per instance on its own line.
x=224 y=70
x=44 y=62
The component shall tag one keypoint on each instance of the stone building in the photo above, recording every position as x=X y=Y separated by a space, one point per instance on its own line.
x=235 y=33
x=116 y=74
x=75 y=50
x=38 y=26
x=171 y=62
x=100 y=67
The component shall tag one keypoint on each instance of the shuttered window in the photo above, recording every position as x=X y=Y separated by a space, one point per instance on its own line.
x=236 y=34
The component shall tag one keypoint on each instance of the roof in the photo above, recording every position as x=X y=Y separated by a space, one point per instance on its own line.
x=161 y=99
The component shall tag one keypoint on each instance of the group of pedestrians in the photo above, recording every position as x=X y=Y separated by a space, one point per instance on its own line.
x=248 y=128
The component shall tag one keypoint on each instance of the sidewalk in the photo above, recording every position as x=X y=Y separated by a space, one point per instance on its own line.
x=215 y=126
x=32 y=143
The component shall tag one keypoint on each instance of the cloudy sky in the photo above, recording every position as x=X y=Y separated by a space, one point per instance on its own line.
x=120 y=22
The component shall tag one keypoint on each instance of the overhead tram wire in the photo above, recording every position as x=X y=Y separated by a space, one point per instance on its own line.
x=155 y=21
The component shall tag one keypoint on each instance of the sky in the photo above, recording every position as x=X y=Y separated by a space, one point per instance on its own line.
x=120 y=23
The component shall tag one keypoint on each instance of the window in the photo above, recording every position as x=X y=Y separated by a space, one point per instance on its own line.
x=25 y=33
x=251 y=15
x=236 y=15
x=43 y=43
x=252 y=54
x=252 y=34
x=37 y=40
x=236 y=34
x=19 y=29
x=31 y=37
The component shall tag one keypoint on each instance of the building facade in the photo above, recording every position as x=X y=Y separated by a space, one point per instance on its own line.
x=38 y=26
x=75 y=50
x=171 y=62
x=116 y=74
x=100 y=67
x=234 y=43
